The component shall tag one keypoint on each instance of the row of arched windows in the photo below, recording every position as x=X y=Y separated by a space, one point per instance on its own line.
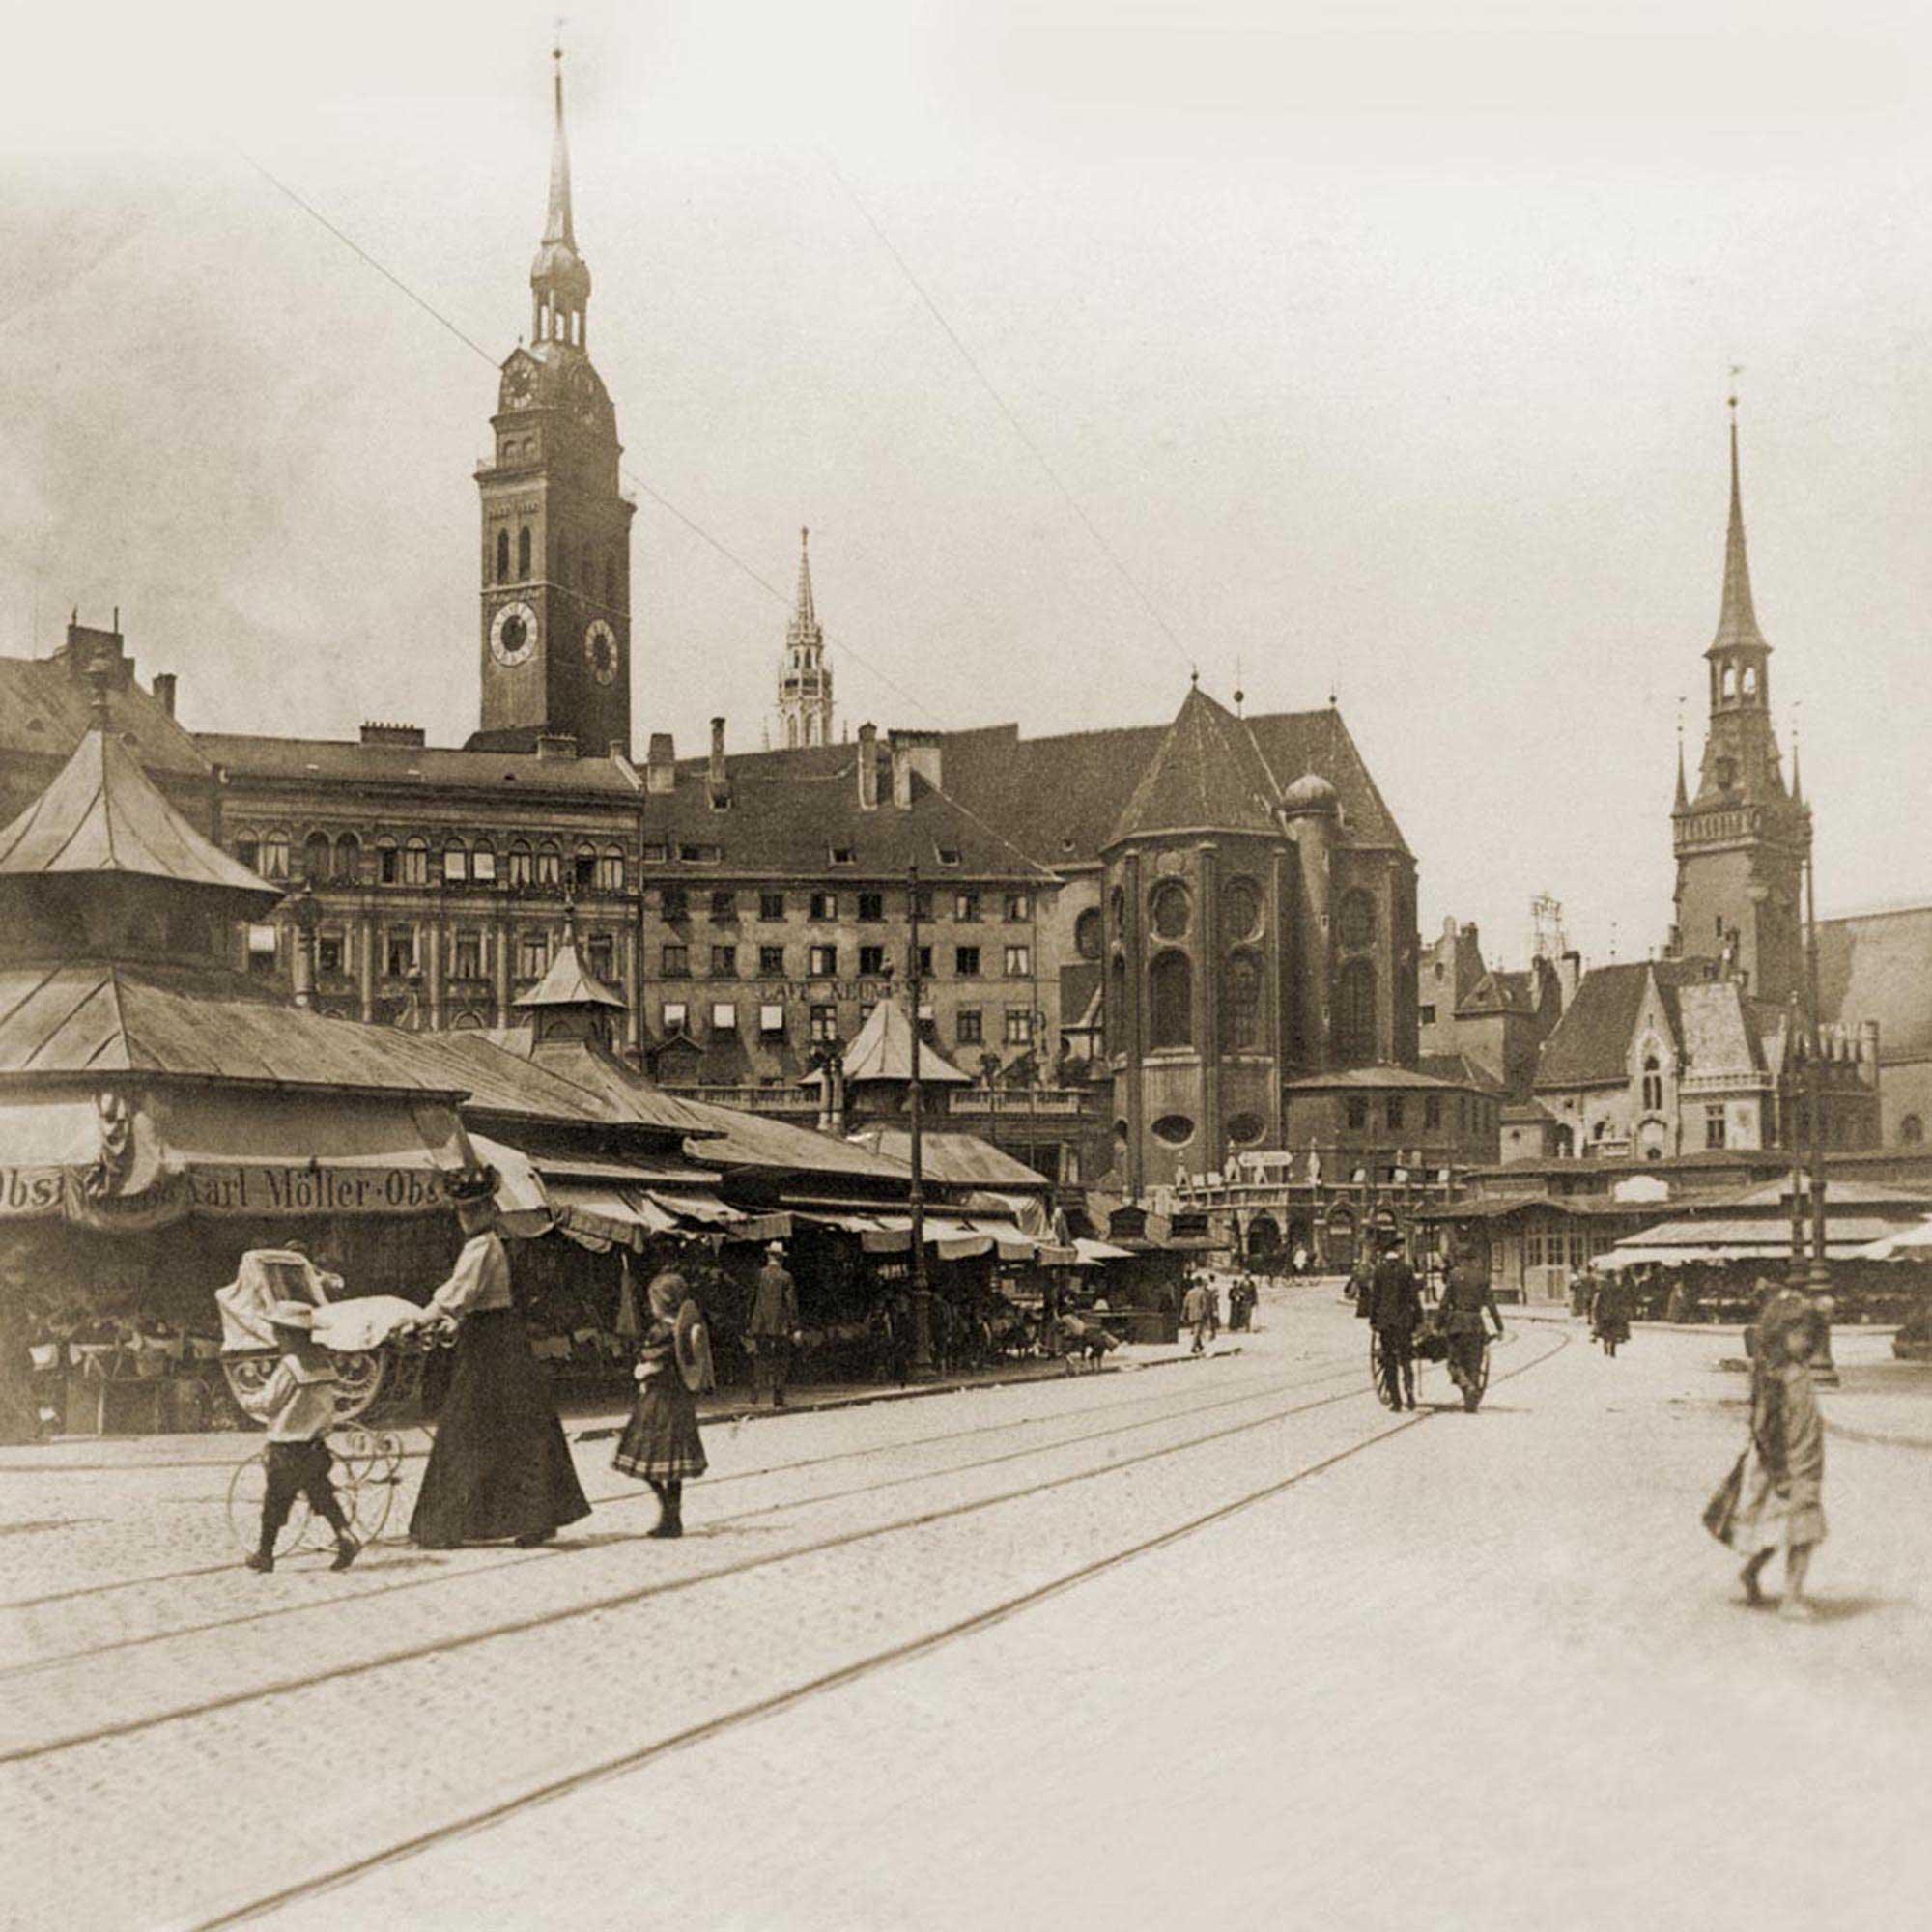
x=585 y=576
x=414 y=861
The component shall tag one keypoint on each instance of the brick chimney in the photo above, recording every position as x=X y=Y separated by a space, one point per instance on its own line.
x=716 y=781
x=868 y=768
x=165 y=691
x=660 y=764
x=914 y=753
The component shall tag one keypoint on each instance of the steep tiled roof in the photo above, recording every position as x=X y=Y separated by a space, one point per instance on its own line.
x=790 y=809
x=1459 y=1071
x=1390 y=1079
x=1060 y=798
x=1878 y=966
x=314 y=761
x=954 y=1160
x=1206 y=775
x=1717 y=1027
x=1499 y=992
x=1590 y=1044
x=43 y=712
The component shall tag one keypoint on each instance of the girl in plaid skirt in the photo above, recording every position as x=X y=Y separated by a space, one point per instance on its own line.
x=659 y=1443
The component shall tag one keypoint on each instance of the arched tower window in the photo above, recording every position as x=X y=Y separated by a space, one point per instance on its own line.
x=1750 y=680
x=1356 y=1014
x=1087 y=933
x=1117 y=1004
x=1653 y=1085
x=502 y=556
x=1727 y=687
x=1171 y=1001
x=523 y=552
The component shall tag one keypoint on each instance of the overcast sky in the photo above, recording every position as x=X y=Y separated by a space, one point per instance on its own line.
x=1385 y=346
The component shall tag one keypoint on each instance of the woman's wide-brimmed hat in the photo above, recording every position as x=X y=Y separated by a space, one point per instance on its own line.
x=471 y=1183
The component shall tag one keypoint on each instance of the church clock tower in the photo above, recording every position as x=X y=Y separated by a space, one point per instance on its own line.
x=1742 y=838
x=557 y=527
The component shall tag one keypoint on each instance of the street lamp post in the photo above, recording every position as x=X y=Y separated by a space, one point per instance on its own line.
x=1820 y=1282
x=922 y=1366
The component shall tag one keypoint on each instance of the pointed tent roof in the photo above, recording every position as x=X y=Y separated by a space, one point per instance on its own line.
x=569 y=983
x=1737 y=620
x=1206 y=774
x=882 y=1050
x=102 y=817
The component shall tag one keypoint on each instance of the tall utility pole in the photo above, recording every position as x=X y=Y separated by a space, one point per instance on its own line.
x=923 y=1367
x=1820 y=1283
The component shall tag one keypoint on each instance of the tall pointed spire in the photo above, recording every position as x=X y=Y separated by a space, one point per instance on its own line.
x=1737 y=620
x=1682 y=794
x=804 y=678
x=558 y=225
x=1797 y=784
x=559 y=280
x=803 y=616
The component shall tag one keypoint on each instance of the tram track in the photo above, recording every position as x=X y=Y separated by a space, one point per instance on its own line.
x=674 y=1585
x=154 y=1578
x=552 y=1790
x=39 y=1666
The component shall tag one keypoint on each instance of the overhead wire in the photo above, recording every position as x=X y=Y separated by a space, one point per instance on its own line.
x=630 y=476
x=1005 y=409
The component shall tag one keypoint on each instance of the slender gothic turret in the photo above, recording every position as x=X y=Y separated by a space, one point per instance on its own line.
x=1741 y=836
x=804 y=678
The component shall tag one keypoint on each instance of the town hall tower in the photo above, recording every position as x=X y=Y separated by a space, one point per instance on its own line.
x=1743 y=839
x=555 y=541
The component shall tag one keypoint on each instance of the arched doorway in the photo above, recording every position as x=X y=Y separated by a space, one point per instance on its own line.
x=1338 y=1238
x=1263 y=1238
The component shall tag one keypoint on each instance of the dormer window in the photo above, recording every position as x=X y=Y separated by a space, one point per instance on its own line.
x=845 y=855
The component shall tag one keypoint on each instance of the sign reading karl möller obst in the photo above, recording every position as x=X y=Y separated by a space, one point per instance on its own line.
x=29 y=1192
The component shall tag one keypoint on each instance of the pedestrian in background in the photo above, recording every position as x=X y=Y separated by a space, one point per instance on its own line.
x=660 y=1443
x=297 y=1403
x=1395 y=1312
x=1194 y=1312
x=772 y=1331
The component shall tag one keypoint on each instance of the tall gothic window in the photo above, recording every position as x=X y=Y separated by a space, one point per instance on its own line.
x=502 y=556
x=1243 y=1006
x=524 y=552
x=1653 y=1085
x=1117 y=1004
x=1356 y=1014
x=1171 y=1001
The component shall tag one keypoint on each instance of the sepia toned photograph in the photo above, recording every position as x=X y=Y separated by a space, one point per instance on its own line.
x=1093 y=829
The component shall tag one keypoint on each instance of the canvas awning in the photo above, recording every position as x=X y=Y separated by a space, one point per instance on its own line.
x=226 y=1151
x=1910 y=1244
x=1091 y=1254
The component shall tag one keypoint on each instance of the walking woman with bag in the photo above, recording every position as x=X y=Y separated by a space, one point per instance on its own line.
x=1774 y=1497
x=659 y=1443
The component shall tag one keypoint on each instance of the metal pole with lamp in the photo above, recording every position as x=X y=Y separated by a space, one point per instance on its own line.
x=922 y=1366
x=1824 y=1369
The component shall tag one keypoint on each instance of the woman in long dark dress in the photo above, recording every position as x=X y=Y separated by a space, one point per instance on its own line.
x=501 y=1466
x=660 y=1443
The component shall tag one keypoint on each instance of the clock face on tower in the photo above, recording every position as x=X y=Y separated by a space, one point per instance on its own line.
x=585 y=400
x=513 y=634
x=599 y=651
x=520 y=383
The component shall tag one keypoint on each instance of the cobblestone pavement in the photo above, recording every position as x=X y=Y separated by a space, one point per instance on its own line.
x=1481 y=1671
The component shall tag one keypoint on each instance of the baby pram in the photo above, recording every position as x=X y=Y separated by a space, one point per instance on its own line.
x=378 y=1372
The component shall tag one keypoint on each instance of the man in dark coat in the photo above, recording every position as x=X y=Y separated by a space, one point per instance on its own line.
x=1395 y=1312
x=1467 y=1297
x=773 y=1327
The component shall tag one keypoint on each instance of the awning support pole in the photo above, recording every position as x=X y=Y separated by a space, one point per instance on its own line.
x=923 y=1368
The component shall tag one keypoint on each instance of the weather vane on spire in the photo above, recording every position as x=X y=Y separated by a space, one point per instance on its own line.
x=1737 y=370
